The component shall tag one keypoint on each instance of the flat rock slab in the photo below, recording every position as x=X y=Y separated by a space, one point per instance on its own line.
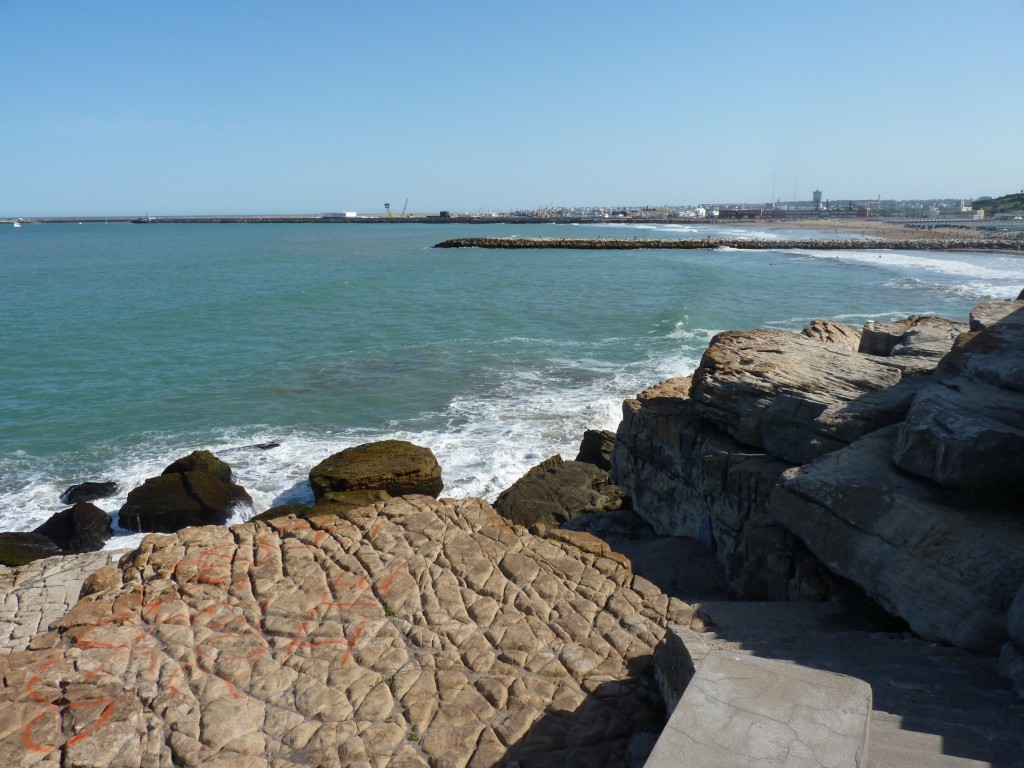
x=33 y=595
x=420 y=633
x=741 y=711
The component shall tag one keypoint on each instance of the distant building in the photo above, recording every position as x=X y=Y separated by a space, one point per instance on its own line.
x=817 y=199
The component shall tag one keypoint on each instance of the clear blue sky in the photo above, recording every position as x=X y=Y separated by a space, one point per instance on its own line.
x=238 y=107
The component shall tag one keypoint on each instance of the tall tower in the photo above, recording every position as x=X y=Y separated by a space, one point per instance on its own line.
x=817 y=199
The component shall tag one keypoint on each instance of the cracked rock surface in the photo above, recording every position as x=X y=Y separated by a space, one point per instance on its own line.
x=412 y=633
x=33 y=595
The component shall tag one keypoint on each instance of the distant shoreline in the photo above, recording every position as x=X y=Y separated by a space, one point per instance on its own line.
x=881 y=228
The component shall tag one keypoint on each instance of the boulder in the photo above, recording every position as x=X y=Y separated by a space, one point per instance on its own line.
x=949 y=570
x=965 y=429
x=831 y=332
x=82 y=528
x=793 y=397
x=21 y=547
x=395 y=466
x=426 y=633
x=170 y=502
x=88 y=491
x=201 y=461
x=596 y=448
x=556 y=491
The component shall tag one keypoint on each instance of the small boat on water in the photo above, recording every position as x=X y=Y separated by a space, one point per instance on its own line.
x=16 y=223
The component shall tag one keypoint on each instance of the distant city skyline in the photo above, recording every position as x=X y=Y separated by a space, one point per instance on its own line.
x=233 y=108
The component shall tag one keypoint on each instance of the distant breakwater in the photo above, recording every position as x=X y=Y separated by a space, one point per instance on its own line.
x=618 y=244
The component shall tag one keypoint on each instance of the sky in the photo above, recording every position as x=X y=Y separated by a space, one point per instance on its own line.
x=126 y=108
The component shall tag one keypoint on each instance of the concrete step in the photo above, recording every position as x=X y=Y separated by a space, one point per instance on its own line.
x=895 y=742
x=933 y=705
x=740 y=710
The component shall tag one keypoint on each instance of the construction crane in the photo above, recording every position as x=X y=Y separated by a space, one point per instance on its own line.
x=405 y=206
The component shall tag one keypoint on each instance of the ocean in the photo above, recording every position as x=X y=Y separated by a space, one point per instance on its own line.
x=124 y=347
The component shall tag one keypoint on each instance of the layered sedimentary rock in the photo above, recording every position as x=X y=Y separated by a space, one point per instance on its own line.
x=830 y=332
x=965 y=430
x=915 y=344
x=897 y=468
x=950 y=570
x=416 y=632
x=792 y=396
x=688 y=478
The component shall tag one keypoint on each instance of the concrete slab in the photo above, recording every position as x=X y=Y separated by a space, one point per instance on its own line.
x=741 y=711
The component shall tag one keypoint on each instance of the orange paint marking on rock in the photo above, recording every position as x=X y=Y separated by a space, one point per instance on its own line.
x=108 y=710
x=26 y=735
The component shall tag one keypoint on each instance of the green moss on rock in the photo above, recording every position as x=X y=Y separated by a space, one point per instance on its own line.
x=395 y=466
x=19 y=548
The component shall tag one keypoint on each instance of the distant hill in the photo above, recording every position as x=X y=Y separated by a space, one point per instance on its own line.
x=1003 y=204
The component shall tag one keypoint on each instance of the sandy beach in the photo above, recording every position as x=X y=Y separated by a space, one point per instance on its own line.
x=869 y=227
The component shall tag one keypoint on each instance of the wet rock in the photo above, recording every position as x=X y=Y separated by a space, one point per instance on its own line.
x=596 y=448
x=395 y=466
x=282 y=510
x=88 y=491
x=201 y=461
x=556 y=491
x=82 y=528
x=20 y=547
x=1011 y=659
x=170 y=502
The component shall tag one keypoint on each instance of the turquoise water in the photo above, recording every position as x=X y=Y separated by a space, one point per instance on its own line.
x=125 y=346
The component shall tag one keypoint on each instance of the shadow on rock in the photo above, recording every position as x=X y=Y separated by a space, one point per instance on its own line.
x=616 y=725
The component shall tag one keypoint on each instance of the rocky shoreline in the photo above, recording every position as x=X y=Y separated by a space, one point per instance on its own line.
x=877 y=468
x=632 y=244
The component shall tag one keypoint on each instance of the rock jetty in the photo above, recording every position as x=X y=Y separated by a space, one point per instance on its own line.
x=632 y=244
